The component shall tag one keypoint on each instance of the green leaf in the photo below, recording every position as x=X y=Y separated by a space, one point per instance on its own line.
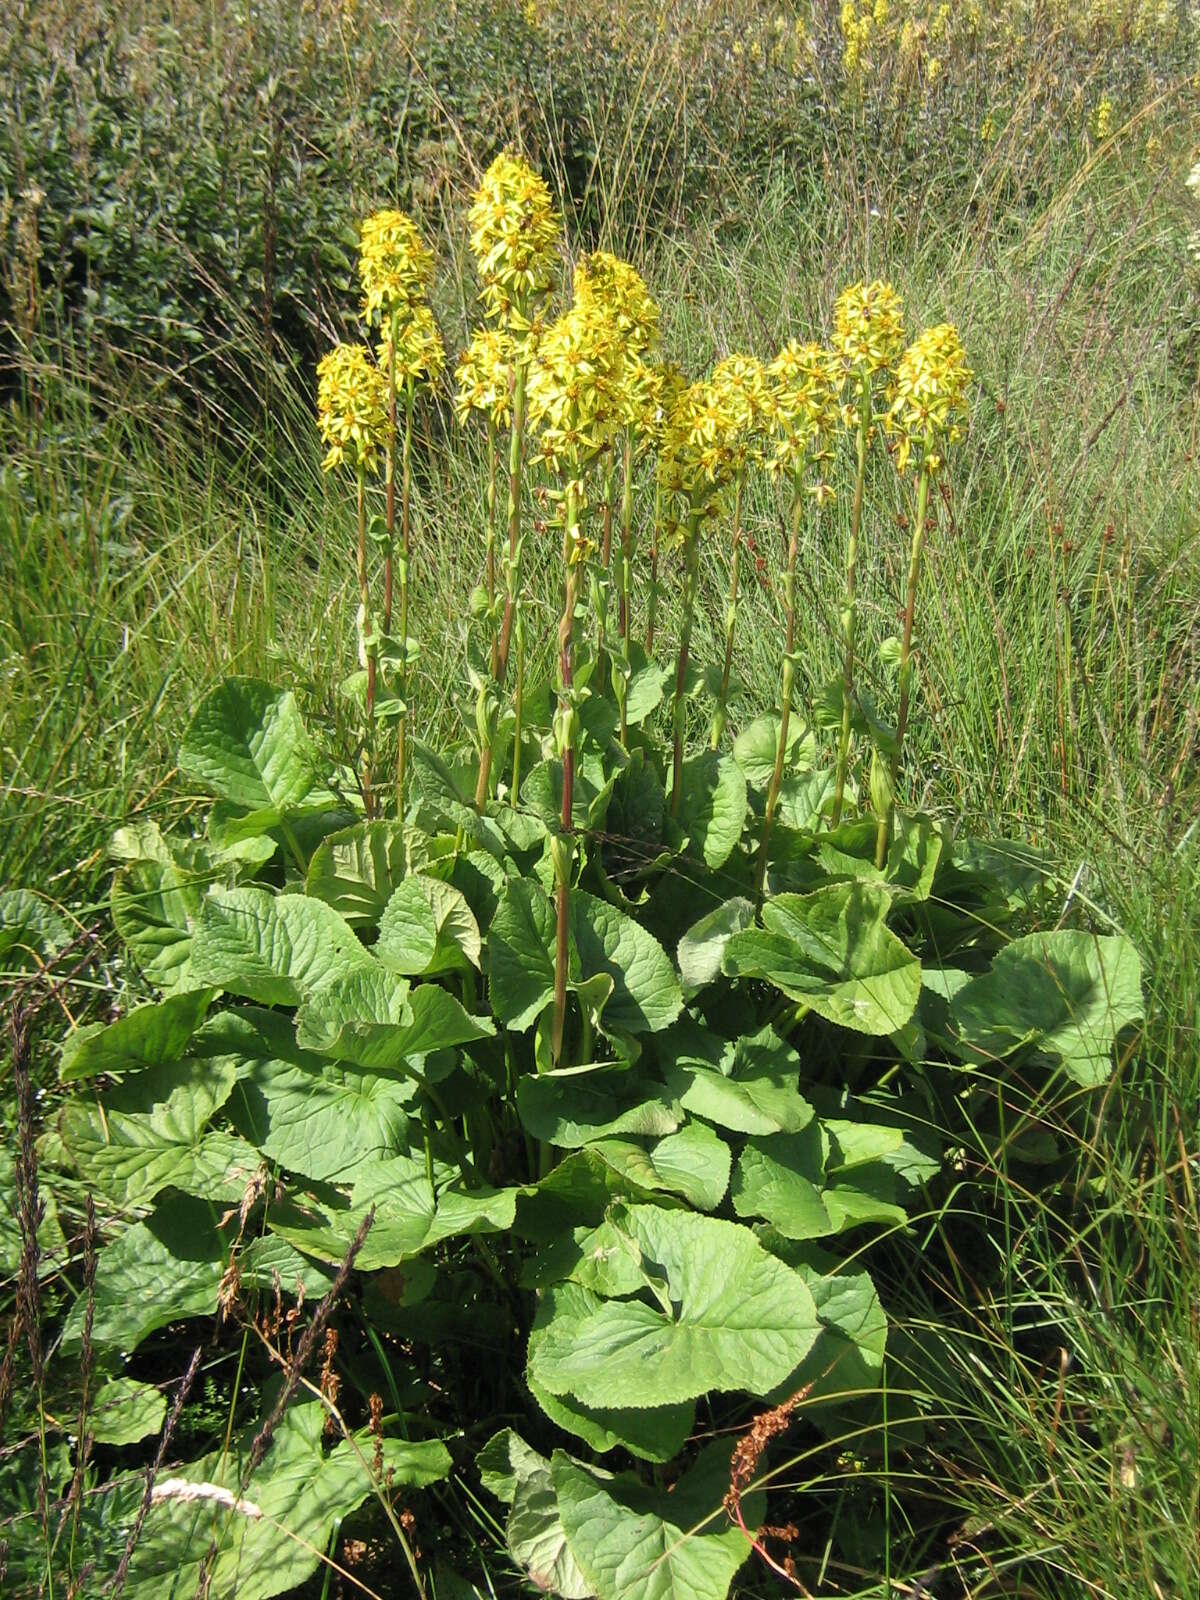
x=145 y=1037
x=1066 y=993
x=729 y=1317
x=409 y=1217
x=533 y=1532
x=125 y=1411
x=156 y=900
x=269 y=1532
x=318 y=1119
x=248 y=744
x=31 y=931
x=273 y=948
x=520 y=965
x=170 y=1267
x=356 y=870
x=644 y=691
x=427 y=928
x=712 y=808
x=753 y=1090
x=652 y=1433
x=756 y=748
x=693 y=1163
x=573 y=1107
x=646 y=995
x=149 y=1132
x=780 y=1178
x=375 y=1020
x=702 y=948
x=633 y=1542
x=833 y=951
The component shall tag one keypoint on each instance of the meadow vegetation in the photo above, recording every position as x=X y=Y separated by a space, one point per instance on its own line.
x=598 y=800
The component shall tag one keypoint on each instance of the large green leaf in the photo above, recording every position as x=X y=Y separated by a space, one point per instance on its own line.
x=171 y=1266
x=31 y=930
x=156 y=898
x=427 y=927
x=633 y=1542
x=356 y=870
x=273 y=948
x=750 y=1088
x=124 y=1411
x=574 y=1107
x=320 y=1119
x=269 y=1532
x=145 y=1037
x=693 y=1163
x=375 y=1020
x=729 y=1317
x=702 y=948
x=755 y=749
x=149 y=1133
x=409 y=1215
x=520 y=963
x=646 y=995
x=248 y=744
x=533 y=1531
x=653 y=1433
x=1066 y=993
x=781 y=1178
x=833 y=951
x=712 y=808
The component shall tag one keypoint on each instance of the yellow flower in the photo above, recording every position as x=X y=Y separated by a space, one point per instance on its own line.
x=483 y=379
x=576 y=386
x=806 y=382
x=420 y=353
x=1102 y=118
x=514 y=236
x=741 y=383
x=868 y=326
x=394 y=265
x=701 y=451
x=351 y=407
x=929 y=396
x=616 y=288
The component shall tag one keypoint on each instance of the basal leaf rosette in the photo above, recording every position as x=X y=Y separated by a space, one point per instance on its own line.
x=395 y=265
x=514 y=235
x=351 y=408
x=929 y=405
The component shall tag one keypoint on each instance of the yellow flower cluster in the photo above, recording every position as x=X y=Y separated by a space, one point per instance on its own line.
x=805 y=410
x=576 y=386
x=395 y=266
x=868 y=326
x=514 y=237
x=615 y=288
x=420 y=353
x=699 y=454
x=351 y=407
x=741 y=381
x=929 y=396
x=483 y=379
x=1102 y=118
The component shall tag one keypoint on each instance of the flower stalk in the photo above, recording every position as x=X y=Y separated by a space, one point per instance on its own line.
x=679 y=705
x=625 y=581
x=850 y=610
x=786 y=688
x=720 y=716
x=405 y=560
x=567 y=729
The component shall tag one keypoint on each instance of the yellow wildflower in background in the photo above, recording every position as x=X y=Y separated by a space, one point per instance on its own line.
x=603 y=281
x=929 y=396
x=1102 y=118
x=514 y=236
x=483 y=378
x=805 y=409
x=395 y=265
x=868 y=326
x=351 y=407
x=420 y=353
